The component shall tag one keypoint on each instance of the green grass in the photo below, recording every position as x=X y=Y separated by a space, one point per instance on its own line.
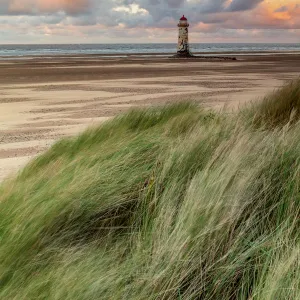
x=279 y=108
x=164 y=203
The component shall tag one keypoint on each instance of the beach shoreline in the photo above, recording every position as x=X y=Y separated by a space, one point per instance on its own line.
x=149 y=55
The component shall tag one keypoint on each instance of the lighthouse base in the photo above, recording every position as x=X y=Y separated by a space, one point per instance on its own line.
x=184 y=54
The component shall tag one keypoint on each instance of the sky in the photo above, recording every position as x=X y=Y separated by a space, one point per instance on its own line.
x=148 y=21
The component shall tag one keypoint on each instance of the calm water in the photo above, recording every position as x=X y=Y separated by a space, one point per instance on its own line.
x=28 y=50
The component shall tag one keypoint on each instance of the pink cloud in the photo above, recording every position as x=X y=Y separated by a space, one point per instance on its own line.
x=47 y=6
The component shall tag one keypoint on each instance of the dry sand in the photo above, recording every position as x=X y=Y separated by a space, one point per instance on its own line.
x=43 y=99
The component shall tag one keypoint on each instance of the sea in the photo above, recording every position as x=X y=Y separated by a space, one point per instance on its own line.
x=24 y=51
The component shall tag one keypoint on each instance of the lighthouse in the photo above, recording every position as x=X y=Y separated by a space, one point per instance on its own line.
x=183 y=49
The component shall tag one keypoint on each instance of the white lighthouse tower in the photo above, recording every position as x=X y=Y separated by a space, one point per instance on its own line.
x=183 y=48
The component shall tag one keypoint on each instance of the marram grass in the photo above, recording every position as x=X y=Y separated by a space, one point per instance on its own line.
x=163 y=203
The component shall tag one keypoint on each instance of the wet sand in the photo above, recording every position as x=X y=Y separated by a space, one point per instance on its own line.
x=45 y=98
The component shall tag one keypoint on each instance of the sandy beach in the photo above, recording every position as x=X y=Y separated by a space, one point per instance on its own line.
x=45 y=98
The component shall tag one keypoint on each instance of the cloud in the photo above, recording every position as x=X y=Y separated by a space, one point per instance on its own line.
x=282 y=9
x=122 y=19
x=242 y=5
x=35 y=7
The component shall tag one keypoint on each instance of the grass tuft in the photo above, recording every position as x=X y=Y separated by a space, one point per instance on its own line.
x=279 y=108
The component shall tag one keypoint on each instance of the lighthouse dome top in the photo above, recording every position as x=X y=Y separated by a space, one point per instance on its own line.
x=183 y=22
